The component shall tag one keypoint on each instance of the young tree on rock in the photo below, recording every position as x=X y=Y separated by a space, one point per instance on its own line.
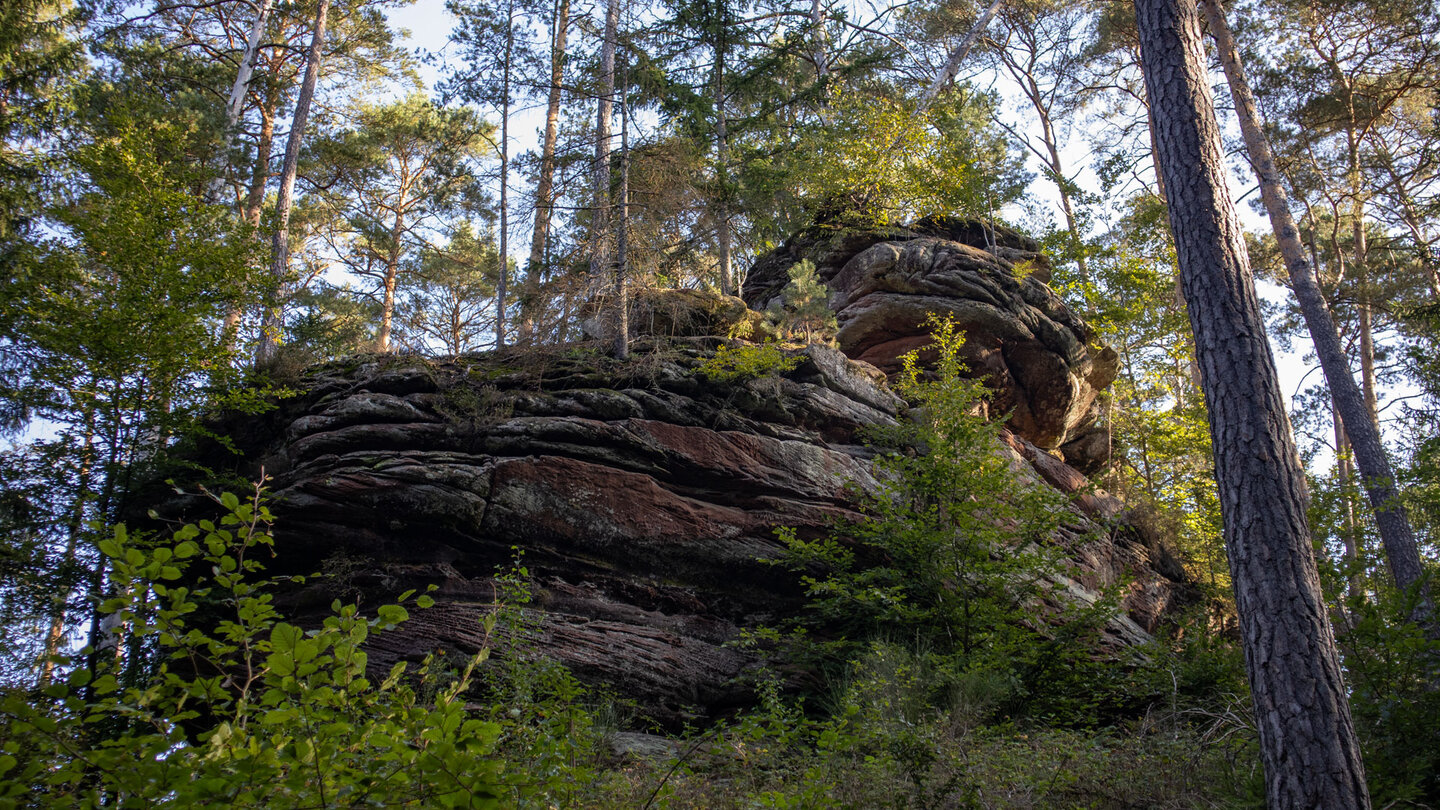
x=447 y=297
x=1307 y=739
x=392 y=176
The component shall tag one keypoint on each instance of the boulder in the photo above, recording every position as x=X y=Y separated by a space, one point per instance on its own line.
x=1037 y=357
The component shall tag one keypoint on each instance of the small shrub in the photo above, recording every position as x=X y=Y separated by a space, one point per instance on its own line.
x=736 y=364
x=804 y=308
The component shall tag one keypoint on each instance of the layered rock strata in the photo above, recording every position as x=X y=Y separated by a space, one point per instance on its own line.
x=1039 y=359
x=644 y=496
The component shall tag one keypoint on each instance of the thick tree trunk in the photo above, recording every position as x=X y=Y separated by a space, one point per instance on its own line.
x=1350 y=403
x=600 y=218
x=1307 y=739
x=545 y=185
x=280 y=259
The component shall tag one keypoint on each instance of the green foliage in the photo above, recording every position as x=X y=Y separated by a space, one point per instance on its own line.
x=876 y=158
x=777 y=757
x=953 y=555
x=448 y=300
x=1391 y=666
x=747 y=361
x=1392 y=669
x=804 y=307
x=246 y=710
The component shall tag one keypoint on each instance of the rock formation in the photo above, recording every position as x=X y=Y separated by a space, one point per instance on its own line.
x=644 y=494
x=1037 y=357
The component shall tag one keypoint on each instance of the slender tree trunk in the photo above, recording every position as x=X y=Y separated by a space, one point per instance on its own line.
x=280 y=261
x=1377 y=478
x=819 y=42
x=1361 y=245
x=239 y=89
x=1307 y=740
x=247 y=67
x=73 y=530
x=545 y=185
x=600 y=219
x=392 y=276
x=722 y=168
x=254 y=200
x=952 y=66
x=622 y=237
x=1412 y=219
x=260 y=171
x=1025 y=77
x=503 y=271
x=1350 y=527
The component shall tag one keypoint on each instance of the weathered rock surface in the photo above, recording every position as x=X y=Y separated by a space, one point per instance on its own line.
x=1037 y=357
x=643 y=494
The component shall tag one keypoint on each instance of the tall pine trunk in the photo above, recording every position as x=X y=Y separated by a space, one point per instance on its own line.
x=722 y=168
x=1353 y=406
x=236 y=103
x=1307 y=740
x=545 y=185
x=392 y=277
x=622 y=236
x=604 y=110
x=503 y=271
x=280 y=256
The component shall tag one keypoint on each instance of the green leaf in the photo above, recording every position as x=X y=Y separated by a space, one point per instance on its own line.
x=284 y=637
x=391 y=615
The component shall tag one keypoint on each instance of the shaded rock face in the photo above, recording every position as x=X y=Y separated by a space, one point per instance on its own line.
x=1035 y=355
x=643 y=495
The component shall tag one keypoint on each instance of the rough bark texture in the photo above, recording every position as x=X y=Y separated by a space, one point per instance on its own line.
x=1037 y=357
x=1354 y=407
x=644 y=496
x=1307 y=740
